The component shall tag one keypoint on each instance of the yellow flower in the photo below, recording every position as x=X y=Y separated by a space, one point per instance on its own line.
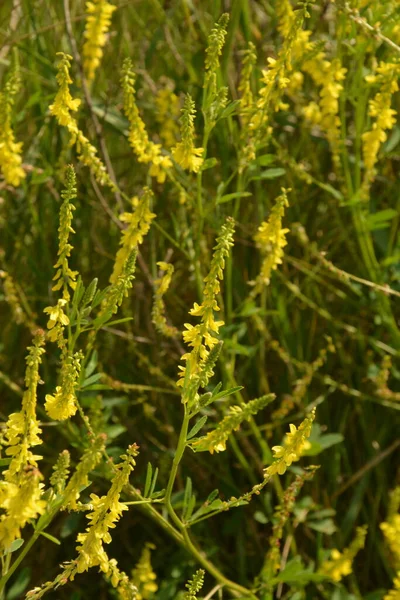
x=271 y=239
x=56 y=314
x=145 y=150
x=294 y=444
x=158 y=312
x=138 y=225
x=394 y=594
x=380 y=110
x=184 y=153
x=97 y=25
x=143 y=576
x=167 y=104
x=64 y=103
x=202 y=337
x=340 y=564
x=10 y=150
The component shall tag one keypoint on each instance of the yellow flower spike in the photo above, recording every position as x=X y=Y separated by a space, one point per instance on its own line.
x=394 y=594
x=10 y=150
x=145 y=150
x=168 y=109
x=138 y=225
x=391 y=527
x=215 y=440
x=63 y=404
x=293 y=445
x=143 y=576
x=341 y=563
x=64 y=104
x=65 y=276
x=202 y=337
x=97 y=25
x=106 y=512
x=62 y=107
x=380 y=110
x=158 y=313
x=20 y=492
x=184 y=153
x=271 y=239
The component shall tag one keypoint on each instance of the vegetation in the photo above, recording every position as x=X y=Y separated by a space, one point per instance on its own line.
x=199 y=359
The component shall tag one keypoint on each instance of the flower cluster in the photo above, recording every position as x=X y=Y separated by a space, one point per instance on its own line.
x=143 y=576
x=57 y=321
x=158 y=313
x=62 y=108
x=202 y=337
x=383 y=117
x=138 y=225
x=97 y=25
x=340 y=563
x=145 y=150
x=185 y=153
x=215 y=441
x=10 y=150
x=194 y=585
x=271 y=239
x=168 y=109
x=65 y=276
x=62 y=405
x=80 y=478
x=11 y=297
x=216 y=41
x=391 y=527
x=328 y=76
x=21 y=490
x=106 y=511
x=294 y=443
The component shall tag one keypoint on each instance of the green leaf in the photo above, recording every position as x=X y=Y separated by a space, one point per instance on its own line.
x=50 y=537
x=265 y=160
x=229 y=197
x=93 y=379
x=209 y=163
x=269 y=174
x=230 y=110
x=296 y=574
x=147 y=483
x=196 y=427
x=381 y=219
x=14 y=546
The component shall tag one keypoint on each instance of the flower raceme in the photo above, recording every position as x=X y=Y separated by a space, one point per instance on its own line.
x=10 y=150
x=271 y=239
x=97 y=25
x=62 y=108
x=185 y=153
x=294 y=443
x=145 y=150
x=340 y=563
x=202 y=337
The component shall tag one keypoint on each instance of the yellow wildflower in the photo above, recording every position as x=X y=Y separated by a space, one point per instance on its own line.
x=62 y=405
x=106 y=511
x=57 y=320
x=384 y=117
x=202 y=337
x=145 y=150
x=138 y=225
x=158 y=313
x=66 y=277
x=328 y=75
x=10 y=150
x=215 y=440
x=143 y=576
x=11 y=297
x=80 y=478
x=62 y=107
x=340 y=563
x=271 y=239
x=391 y=527
x=294 y=444
x=394 y=594
x=184 y=153
x=20 y=492
x=97 y=25
x=168 y=109
x=22 y=502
